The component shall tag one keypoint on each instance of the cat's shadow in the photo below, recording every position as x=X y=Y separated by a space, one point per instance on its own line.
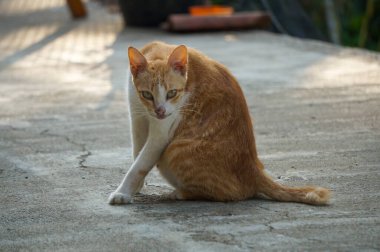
x=161 y=206
x=142 y=198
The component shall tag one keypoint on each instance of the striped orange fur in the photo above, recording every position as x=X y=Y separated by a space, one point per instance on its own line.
x=212 y=154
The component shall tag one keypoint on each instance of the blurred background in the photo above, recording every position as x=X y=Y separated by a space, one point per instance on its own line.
x=24 y=23
x=350 y=23
x=353 y=23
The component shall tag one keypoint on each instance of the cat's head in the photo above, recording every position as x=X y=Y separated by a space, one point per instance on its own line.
x=160 y=83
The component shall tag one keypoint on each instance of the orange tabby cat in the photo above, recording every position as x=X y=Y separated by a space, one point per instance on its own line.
x=190 y=118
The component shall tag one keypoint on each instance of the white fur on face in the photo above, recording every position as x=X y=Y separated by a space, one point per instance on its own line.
x=160 y=98
x=160 y=94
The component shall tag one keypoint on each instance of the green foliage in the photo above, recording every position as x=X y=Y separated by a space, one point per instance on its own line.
x=358 y=21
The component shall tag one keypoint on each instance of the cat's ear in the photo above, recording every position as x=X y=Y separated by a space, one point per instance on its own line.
x=178 y=60
x=137 y=61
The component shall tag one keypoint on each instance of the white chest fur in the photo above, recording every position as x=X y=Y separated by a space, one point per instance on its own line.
x=144 y=125
x=150 y=136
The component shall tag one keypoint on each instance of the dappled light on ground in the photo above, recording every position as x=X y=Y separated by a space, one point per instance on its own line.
x=343 y=70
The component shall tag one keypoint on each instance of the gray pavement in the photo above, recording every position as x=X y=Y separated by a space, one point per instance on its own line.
x=65 y=144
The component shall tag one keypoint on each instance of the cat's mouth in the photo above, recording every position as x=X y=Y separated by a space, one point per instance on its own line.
x=161 y=117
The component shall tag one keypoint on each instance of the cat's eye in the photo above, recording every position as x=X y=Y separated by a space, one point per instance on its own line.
x=147 y=95
x=171 y=94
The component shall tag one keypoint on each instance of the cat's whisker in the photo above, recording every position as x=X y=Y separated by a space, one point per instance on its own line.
x=181 y=106
x=139 y=114
x=135 y=112
x=184 y=107
x=189 y=111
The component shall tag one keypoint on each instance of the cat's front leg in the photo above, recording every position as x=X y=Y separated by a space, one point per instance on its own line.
x=138 y=121
x=139 y=124
x=144 y=162
x=139 y=132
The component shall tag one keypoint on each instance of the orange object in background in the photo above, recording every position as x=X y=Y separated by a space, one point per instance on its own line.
x=77 y=8
x=212 y=10
x=238 y=21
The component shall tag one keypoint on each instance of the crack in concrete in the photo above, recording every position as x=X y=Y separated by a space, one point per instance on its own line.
x=269 y=226
x=15 y=128
x=82 y=158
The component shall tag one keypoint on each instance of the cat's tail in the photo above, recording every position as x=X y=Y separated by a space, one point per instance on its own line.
x=308 y=194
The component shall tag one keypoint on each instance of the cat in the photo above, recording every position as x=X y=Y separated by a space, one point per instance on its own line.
x=189 y=117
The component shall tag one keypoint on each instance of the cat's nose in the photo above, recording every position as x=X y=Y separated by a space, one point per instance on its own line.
x=160 y=111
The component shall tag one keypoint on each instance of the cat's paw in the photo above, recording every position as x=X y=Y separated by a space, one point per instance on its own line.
x=176 y=195
x=118 y=198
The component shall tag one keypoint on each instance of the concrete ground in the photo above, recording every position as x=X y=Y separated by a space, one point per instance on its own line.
x=65 y=144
